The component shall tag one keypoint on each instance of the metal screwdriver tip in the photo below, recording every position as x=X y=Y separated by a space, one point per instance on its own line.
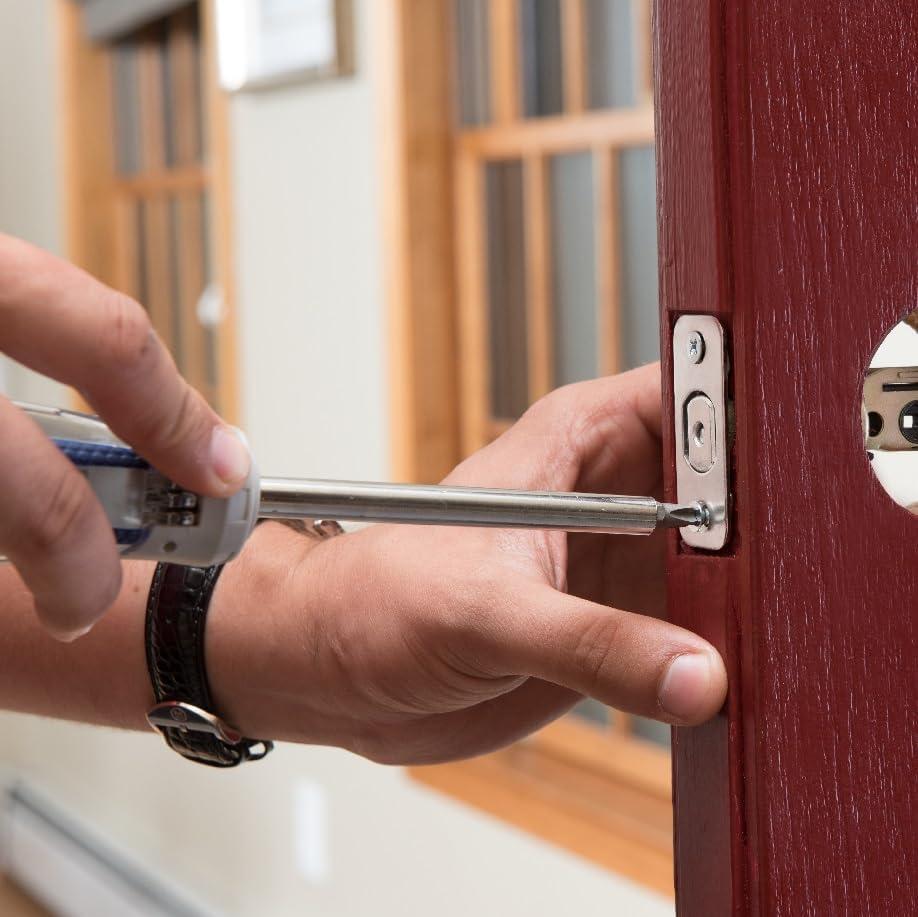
x=679 y=516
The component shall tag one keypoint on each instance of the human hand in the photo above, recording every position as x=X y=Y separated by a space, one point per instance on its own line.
x=415 y=644
x=59 y=321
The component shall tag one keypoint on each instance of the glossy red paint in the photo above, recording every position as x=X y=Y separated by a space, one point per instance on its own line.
x=788 y=197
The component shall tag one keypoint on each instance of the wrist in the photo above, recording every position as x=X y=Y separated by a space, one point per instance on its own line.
x=263 y=637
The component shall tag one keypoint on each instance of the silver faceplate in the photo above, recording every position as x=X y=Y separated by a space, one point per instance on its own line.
x=702 y=371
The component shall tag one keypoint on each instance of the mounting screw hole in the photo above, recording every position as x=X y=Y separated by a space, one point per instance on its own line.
x=874 y=424
x=169 y=547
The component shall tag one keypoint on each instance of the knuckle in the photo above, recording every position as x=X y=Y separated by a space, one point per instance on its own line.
x=130 y=340
x=60 y=516
x=560 y=400
x=543 y=407
x=172 y=427
x=559 y=410
x=596 y=651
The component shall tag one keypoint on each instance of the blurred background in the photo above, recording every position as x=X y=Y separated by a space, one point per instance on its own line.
x=371 y=233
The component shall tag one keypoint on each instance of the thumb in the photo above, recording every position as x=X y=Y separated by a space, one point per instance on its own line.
x=631 y=662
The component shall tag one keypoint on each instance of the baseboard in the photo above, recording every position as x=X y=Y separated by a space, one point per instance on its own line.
x=70 y=870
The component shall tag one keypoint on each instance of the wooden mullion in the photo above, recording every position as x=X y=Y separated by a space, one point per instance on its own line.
x=619 y=127
x=126 y=246
x=186 y=101
x=151 y=104
x=473 y=302
x=574 y=55
x=608 y=258
x=537 y=234
x=192 y=281
x=506 y=81
x=160 y=180
x=159 y=267
x=157 y=240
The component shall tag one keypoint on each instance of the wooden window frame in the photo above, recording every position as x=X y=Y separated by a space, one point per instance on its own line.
x=97 y=228
x=606 y=797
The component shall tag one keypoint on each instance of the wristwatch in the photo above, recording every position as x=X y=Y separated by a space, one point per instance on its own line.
x=175 y=626
x=184 y=710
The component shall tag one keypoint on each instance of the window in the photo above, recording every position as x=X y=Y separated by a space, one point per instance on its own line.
x=556 y=200
x=146 y=175
x=525 y=240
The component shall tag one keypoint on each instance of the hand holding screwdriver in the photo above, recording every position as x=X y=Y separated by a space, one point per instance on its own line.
x=58 y=320
x=399 y=642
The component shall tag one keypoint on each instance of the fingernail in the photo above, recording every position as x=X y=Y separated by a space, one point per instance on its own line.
x=69 y=636
x=229 y=454
x=685 y=686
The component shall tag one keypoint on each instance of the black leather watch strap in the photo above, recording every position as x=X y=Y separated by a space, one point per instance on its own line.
x=175 y=625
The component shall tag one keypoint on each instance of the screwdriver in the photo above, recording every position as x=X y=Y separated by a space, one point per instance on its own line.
x=422 y=504
x=153 y=518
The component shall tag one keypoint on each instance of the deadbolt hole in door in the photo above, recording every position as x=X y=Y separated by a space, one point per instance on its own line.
x=889 y=413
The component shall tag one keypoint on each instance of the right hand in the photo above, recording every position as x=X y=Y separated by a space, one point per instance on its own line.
x=416 y=644
x=58 y=320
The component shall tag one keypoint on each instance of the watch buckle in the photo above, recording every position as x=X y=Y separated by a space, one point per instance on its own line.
x=184 y=717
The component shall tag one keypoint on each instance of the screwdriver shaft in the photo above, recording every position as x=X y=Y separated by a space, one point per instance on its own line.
x=470 y=506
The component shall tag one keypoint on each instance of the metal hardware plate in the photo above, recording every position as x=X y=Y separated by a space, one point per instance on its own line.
x=702 y=466
x=891 y=409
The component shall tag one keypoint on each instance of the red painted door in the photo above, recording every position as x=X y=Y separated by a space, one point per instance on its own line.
x=788 y=197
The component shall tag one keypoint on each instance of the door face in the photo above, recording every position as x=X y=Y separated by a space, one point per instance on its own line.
x=787 y=205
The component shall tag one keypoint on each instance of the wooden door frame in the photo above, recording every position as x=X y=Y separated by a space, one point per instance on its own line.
x=415 y=38
x=786 y=203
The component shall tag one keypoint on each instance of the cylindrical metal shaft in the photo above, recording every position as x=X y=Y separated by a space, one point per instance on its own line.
x=469 y=506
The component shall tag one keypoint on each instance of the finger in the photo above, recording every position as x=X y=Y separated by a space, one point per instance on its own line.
x=104 y=345
x=592 y=436
x=634 y=663
x=53 y=529
x=613 y=426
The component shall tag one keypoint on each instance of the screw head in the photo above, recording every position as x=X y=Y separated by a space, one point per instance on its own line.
x=695 y=347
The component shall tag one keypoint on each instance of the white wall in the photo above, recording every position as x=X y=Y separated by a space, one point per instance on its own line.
x=310 y=276
x=312 y=322
x=30 y=155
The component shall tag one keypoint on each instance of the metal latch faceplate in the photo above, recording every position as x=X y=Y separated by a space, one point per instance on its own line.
x=891 y=409
x=702 y=430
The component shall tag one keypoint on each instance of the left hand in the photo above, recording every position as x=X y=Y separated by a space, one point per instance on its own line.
x=415 y=644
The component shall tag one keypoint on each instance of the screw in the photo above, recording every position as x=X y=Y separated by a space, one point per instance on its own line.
x=695 y=347
x=704 y=514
